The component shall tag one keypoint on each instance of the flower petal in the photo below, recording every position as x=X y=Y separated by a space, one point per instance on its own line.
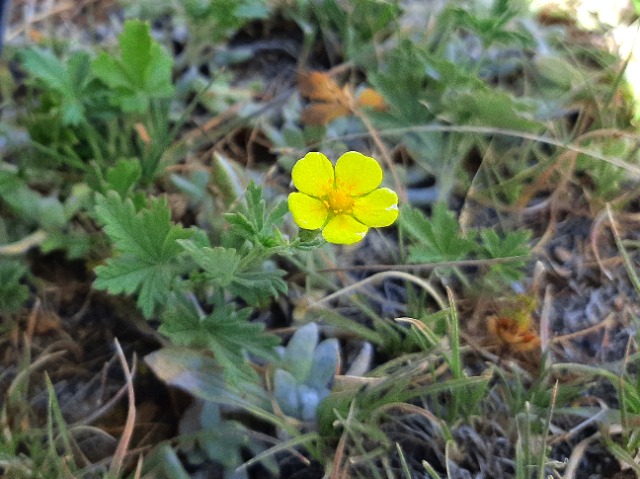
x=308 y=213
x=344 y=229
x=313 y=174
x=357 y=174
x=378 y=208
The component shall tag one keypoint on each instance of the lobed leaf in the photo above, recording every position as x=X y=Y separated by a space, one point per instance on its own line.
x=141 y=73
x=146 y=244
x=227 y=332
x=68 y=81
x=438 y=238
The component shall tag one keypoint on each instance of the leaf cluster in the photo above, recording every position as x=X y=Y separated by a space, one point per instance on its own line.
x=13 y=290
x=254 y=222
x=350 y=30
x=305 y=373
x=440 y=239
x=147 y=257
x=176 y=274
x=27 y=211
x=227 y=332
x=88 y=108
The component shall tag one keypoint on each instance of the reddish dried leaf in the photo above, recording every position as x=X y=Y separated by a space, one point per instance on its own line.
x=319 y=86
x=143 y=134
x=372 y=99
x=323 y=113
x=510 y=333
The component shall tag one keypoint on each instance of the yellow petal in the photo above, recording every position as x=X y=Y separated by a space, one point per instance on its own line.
x=313 y=174
x=344 y=229
x=378 y=208
x=308 y=213
x=357 y=174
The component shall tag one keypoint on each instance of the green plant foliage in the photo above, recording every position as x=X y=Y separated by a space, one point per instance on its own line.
x=30 y=206
x=358 y=24
x=254 y=283
x=438 y=238
x=198 y=373
x=493 y=25
x=163 y=462
x=257 y=286
x=255 y=223
x=26 y=209
x=491 y=107
x=226 y=331
x=13 y=290
x=305 y=373
x=514 y=243
x=142 y=73
x=146 y=248
x=225 y=17
x=478 y=98
x=90 y=112
x=396 y=388
x=218 y=439
x=404 y=83
x=67 y=83
x=604 y=178
x=219 y=264
x=121 y=178
x=229 y=178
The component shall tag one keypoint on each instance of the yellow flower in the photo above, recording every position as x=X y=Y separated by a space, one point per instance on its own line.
x=344 y=201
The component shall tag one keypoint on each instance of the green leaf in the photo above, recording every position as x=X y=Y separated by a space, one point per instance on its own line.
x=323 y=366
x=143 y=71
x=19 y=197
x=514 y=243
x=403 y=83
x=493 y=25
x=438 y=238
x=222 y=17
x=357 y=25
x=30 y=205
x=146 y=250
x=256 y=223
x=227 y=332
x=76 y=244
x=490 y=107
x=257 y=287
x=226 y=268
x=219 y=264
x=221 y=440
x=228 y=177
x=13 y=293
x=298 y=355
x=201 y=375
x=124 y=175
x=67 y=82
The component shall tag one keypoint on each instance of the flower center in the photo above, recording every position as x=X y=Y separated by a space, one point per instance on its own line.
x=338 y=201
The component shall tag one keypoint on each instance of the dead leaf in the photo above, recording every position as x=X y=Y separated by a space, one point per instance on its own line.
x=322 y=113
x=512 y=334
x=143 y=134
x=319 y=86
x=329 y=101
x=372 y=99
